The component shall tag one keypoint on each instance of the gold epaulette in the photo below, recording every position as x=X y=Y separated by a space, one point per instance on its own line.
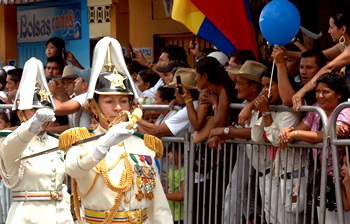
x=71 y=136
x=155 y=144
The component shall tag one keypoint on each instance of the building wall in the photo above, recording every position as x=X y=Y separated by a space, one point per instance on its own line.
x=147 y=21
x=79 y=48
x=8 y=25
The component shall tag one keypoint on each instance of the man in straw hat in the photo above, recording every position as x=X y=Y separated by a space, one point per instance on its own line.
x=248 y=86
x=38 y=192
x=116 y=177
x=177 y=124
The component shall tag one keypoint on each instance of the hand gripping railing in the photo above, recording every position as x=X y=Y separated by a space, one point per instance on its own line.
x=338 y=142
x=325 y=148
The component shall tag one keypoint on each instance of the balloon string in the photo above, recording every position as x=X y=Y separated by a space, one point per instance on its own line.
x=273 y=66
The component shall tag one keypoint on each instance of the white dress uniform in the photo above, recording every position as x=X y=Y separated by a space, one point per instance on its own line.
x=101 y=198
x=41 y=196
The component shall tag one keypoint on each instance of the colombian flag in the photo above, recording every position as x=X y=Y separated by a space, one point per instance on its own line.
x=225 y=24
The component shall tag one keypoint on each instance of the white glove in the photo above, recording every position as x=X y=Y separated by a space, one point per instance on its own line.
x=41 y=115
x=115 y=135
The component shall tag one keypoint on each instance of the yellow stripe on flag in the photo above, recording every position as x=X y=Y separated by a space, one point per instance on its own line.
x=185 y=12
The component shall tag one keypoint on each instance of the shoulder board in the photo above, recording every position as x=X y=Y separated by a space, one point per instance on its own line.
x=53 y=134
x=5 y=133
x=154 y=144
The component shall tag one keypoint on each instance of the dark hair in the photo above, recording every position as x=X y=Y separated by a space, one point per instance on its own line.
x=16 y=75
x=342 y=19
x=135 y=67
x=149 y=76
x=166 y=93
x=3 y=76
x=318 y=54
x=62 y=120
x=292 y=82
x=175 y=53
x=207 y=51
x=5 y=115
x=58 y=60
x=217 y=75
x=242 y=56
x=58 y=43
x=336 y=83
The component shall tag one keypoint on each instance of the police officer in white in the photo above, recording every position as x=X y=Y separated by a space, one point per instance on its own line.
x=116 y=177
x=38 y=192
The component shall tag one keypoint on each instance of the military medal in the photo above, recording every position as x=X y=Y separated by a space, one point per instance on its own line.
x=148 y=187
x=147 y=172
x=139 y=182
x=138 y=169
x=139 y=196
x=150 y=196
x=153 y=183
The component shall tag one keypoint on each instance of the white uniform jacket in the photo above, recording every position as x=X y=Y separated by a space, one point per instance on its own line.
x=101 y=198
x=42 y=174
x=281 y=120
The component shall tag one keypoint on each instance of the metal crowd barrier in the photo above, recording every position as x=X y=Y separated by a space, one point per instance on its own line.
x=204 y=201
x=335 y=143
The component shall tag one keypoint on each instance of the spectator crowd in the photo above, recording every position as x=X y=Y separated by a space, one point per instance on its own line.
x=204 y=94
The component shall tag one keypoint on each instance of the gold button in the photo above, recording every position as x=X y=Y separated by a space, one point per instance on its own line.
x=51 y=160
x=42 y=144
x=54 y=170
x=53 y=179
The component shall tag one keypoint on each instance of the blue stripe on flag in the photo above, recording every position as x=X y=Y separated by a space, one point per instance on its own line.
x=210 y=33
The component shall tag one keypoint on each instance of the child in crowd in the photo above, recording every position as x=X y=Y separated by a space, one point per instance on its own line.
x=175 y=188
x=150 y=116
x=5 y=119
x=345 y=184
x=94 y=122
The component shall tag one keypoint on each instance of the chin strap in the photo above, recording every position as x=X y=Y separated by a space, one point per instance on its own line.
x=21 y=113
x=99 y=110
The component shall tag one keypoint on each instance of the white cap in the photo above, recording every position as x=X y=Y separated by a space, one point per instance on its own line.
x=8 y=68
x=221 y=57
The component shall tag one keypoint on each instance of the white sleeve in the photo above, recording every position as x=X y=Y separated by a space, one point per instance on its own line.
x=180 y=120
x=258 y=131
x=152 y=91
x=80 y=99
x=281 y=120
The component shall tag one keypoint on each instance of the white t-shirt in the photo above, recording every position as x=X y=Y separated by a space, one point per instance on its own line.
x=84 y=120
x=161 y=119
x=152 y=91
x=178 y=123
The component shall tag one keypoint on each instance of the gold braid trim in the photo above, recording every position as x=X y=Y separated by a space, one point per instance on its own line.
x=76 y=201
x=71 y=136
x=90 y=188
x=117 y=200
x=155 y=144
x=129 y=174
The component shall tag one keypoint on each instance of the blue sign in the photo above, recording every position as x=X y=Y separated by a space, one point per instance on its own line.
x=39 y=25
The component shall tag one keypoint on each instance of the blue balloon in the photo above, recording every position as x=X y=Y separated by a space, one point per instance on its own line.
x=279 y=22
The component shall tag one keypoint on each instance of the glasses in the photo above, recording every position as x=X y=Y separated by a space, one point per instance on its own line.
x=242 y=84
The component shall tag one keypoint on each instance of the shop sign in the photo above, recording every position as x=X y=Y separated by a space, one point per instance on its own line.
x=39 y=25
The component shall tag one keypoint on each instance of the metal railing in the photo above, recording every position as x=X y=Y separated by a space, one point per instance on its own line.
x=335 y=143
x=215 y=166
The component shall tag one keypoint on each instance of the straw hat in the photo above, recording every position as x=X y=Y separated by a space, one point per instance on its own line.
x=188 y=76
x=252 y=70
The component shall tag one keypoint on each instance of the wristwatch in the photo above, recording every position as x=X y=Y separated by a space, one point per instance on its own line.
x=227 y=130
x=266 y=113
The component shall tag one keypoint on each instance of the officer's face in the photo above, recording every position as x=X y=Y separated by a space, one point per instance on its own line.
x=111 y=105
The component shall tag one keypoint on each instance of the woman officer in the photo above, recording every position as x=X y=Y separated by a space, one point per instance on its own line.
x=38 y=192
x=116 y=182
